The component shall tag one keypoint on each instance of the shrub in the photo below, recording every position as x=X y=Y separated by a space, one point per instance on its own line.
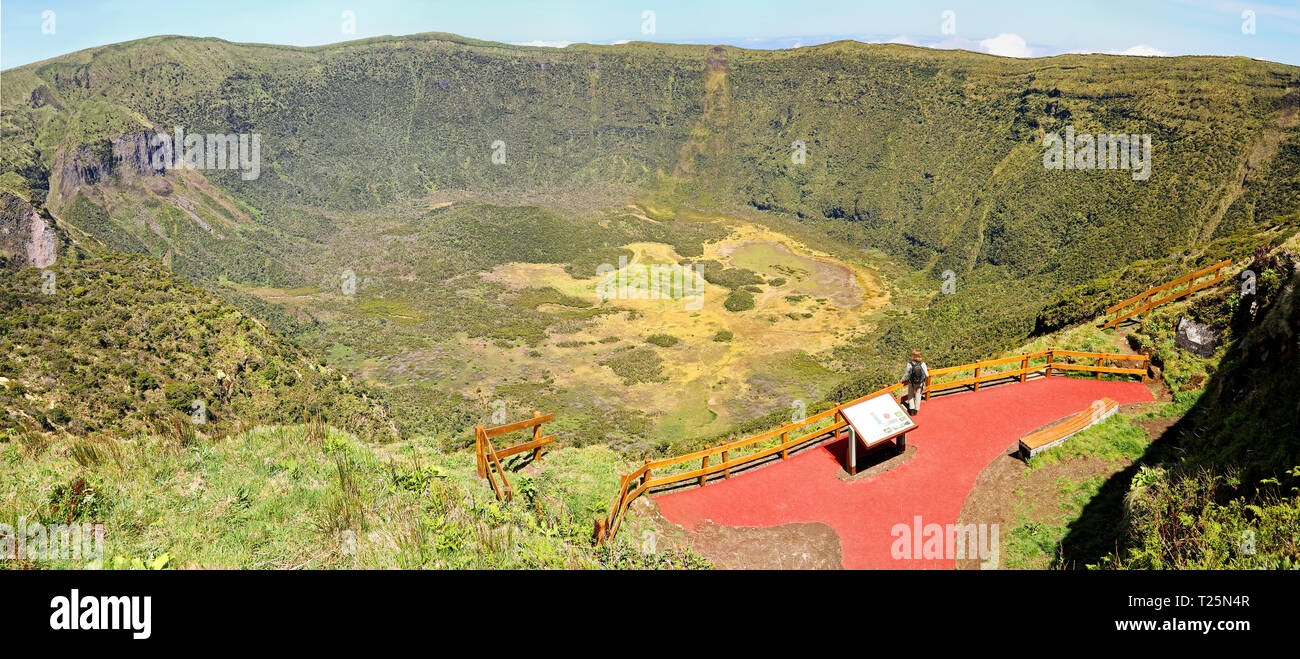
x=636 y=366
x=181 y=395
x=662 y=340
x=740 y=300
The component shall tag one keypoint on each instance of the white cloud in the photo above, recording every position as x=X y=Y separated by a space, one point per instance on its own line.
x=1007 y=45
x=543 y=44
x=618 y=42
x=1140 y=50
x=1143 y=50
x=903 y=39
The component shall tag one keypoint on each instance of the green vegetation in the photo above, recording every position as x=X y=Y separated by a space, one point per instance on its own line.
x=347 y=183
x=1183 y=521
x=739 y=300
x=662 y=340
x=119 y=345
x=1216 y=486
x=384 y=239
x=636 y=365
x=1116 y=438
x=282 y=497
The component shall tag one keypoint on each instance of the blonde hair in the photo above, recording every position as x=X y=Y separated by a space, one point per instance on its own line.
x=916 y=356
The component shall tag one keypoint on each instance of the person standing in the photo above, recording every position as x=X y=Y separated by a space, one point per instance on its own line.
x=914 y=376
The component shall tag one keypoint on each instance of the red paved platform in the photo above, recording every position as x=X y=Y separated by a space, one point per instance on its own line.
x=958 y=435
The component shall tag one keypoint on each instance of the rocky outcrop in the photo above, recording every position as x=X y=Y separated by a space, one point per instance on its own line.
x=42 y=96
x=1197 y=338
x=26 y=239
x=81 y=167
x=135 y=152
x=89 y=165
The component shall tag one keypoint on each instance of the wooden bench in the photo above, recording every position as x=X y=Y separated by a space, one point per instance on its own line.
x=1045 y=438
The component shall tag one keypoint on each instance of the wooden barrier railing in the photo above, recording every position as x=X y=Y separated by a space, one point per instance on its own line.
x=1148 y=300
x=831 y=421
x=488 y=457
x=982 y=375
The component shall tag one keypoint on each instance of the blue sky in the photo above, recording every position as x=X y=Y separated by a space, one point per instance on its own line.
x=1018 y=29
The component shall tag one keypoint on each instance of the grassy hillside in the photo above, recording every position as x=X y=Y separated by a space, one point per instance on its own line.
x=1221 y=487
x=117 y=345
x=934 y=156
x=309 y=497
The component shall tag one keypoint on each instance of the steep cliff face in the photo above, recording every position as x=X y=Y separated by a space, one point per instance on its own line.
x=26 y=239
x=1250 y=414
x=131 y=155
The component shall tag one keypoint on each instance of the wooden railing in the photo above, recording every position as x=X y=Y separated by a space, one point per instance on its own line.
x=1148 y=300
x=982 y=374
x=488 y=457
x=779 y=441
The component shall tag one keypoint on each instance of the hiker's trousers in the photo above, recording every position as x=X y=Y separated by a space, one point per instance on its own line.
x=914 y=396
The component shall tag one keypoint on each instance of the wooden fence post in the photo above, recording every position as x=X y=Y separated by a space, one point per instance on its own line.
x=1024 y=366
x=926 y=393
x=1101 y=361
x=785 y=452
x=479 y=434
x=537 y=435
x=611 y=527
x=977 y=378
x=1051 y=355
x=704 y=464
x=645 y=478
x=726 y=471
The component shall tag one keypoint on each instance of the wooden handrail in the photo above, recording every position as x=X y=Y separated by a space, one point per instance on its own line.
x=1145 y=300
x=1104 y=355
x=636 y=483
x=537 y=420
x=486 y=456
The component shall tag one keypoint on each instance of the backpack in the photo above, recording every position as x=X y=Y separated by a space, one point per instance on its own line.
x=915 y=374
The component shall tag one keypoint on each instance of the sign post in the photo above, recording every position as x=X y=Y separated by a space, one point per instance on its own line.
x=853 y=451
x=876 y=420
